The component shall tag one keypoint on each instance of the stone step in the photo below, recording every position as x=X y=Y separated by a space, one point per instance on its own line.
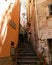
x=26 y=54
x=26 y=50
x=27 y=64
x=27 y=61
x=6 y=61
x=25 y=45
x=27 y=57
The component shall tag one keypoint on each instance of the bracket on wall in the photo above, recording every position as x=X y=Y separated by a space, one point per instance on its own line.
x=12 y=24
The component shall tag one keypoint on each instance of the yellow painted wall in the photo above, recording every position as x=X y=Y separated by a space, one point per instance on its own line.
x=12 y=34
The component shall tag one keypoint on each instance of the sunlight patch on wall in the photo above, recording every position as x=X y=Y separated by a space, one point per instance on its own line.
x=6 y=7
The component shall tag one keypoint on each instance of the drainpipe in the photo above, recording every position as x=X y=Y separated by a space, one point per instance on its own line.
x=37 y=27
x=29 y=11
x=36 y=16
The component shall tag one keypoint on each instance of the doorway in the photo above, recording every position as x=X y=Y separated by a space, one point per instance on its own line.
x=50 y=48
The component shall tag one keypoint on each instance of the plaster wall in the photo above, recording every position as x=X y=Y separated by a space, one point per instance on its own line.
x=12 y=33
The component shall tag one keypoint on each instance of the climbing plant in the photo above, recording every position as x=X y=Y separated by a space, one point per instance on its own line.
x=42 y=57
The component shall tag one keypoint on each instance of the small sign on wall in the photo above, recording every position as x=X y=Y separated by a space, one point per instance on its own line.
x=12 y=24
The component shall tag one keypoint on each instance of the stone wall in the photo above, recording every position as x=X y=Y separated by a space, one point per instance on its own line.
x=44 y=27
x=44 y=23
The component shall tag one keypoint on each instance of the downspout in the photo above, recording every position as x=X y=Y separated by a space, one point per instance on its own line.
x=37 y=27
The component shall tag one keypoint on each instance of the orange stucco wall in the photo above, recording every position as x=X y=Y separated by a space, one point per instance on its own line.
x=12 y=34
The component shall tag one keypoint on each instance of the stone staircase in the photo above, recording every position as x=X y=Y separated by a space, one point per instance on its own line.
x=25 y=54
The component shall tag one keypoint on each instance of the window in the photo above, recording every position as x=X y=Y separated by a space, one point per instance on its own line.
x=12 y=43
x=50 y=9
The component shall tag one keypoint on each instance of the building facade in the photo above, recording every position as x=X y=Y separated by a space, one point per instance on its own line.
x=9 y=26
x=40 y=16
